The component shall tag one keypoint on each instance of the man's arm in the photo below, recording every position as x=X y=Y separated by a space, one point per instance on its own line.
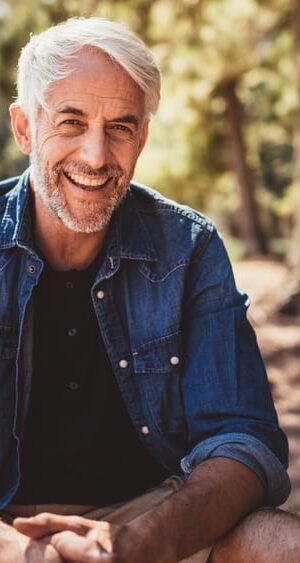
x=218 y=493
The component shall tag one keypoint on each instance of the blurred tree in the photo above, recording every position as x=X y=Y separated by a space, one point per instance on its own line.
x=296 y=241
x=290 y=303
x=250 y=227
x=209 y=61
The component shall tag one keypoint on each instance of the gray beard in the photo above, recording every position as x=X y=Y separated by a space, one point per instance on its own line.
x=95 y=215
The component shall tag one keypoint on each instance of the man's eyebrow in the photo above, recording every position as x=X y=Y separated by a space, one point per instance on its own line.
x=128 y=118
x=71 y=109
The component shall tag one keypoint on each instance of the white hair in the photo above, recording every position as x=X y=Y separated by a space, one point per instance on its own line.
x=50 y=56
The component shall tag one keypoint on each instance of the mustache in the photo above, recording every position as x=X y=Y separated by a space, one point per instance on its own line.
x=105 y=171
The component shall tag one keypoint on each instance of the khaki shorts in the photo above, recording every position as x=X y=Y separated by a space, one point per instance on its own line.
x=118 y=513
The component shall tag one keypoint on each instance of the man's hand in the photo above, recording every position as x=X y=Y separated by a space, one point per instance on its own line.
x=86 y=541
x=16 y=547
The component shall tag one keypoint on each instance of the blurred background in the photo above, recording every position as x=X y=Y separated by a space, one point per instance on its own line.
x=226 y=140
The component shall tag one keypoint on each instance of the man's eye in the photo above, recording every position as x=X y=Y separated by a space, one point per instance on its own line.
x=120 y=127
x=70 y=122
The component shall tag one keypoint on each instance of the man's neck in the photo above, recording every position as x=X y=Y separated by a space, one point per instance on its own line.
x=63 y=248
x=76 y=256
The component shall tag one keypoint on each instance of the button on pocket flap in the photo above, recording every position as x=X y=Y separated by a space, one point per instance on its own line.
x=163 y=355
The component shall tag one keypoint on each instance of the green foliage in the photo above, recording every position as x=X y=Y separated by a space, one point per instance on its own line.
x=200 y=46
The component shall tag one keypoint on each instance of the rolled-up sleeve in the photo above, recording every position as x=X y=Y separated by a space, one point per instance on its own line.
x=251 y=452
x=228 y=403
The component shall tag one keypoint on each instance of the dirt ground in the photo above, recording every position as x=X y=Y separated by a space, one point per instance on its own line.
x=279 y=340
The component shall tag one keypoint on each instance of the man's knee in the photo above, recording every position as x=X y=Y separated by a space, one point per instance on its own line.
x=265 y=536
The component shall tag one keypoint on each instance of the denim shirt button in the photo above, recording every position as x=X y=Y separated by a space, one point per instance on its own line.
x=123 y=364
x=145 y=430
x=73 y=386
x=174 y=360
x=100 y=294
x=72 y=332
x=31 y=269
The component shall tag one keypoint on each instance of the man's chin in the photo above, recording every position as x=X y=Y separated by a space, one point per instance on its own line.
x=86 y=224
x=81 y=216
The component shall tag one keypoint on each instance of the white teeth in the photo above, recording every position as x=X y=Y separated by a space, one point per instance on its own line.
x=83 y=180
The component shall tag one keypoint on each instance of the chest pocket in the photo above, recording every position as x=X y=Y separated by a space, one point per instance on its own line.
x=158 y=368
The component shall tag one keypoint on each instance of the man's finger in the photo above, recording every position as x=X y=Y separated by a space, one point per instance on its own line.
x=46 y=523
x=77 y=548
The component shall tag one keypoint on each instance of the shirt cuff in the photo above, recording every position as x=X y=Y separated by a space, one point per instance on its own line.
x=251 y=452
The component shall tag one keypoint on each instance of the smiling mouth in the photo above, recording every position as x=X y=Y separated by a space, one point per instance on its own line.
x=85 y=183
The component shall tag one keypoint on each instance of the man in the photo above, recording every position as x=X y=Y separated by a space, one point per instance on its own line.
x=126 y=354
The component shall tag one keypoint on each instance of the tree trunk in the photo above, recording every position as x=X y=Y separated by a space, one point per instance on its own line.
x=290 y=301
x=296 y=235
x=250 y=227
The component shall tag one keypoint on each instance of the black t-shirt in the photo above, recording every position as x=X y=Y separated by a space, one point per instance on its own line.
x=79 y=444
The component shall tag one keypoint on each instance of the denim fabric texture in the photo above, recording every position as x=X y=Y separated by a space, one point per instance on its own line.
x=175 y=329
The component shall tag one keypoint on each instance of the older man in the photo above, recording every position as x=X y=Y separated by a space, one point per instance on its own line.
x=128 y=368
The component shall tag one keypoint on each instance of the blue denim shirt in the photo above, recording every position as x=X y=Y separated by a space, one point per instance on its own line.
x=175 y=329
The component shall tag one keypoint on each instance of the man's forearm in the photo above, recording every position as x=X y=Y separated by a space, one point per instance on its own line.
x=217 y=495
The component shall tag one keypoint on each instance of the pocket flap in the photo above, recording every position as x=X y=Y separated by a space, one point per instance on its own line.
x=163 y=355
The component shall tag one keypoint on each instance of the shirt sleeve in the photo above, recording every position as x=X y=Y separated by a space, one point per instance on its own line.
x=251 y=452
x=227 y=398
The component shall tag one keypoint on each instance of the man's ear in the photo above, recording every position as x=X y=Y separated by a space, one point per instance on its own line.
x=21 y=128
x=144 y=137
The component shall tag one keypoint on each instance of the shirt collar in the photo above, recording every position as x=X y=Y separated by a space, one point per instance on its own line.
x=135 y=240
x=16 y=220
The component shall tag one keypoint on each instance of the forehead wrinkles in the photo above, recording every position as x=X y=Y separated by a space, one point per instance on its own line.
x=92 y=103
x=95 y=105
x=96 y=75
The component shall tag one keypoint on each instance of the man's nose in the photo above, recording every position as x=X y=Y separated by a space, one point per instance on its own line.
x=94 y=149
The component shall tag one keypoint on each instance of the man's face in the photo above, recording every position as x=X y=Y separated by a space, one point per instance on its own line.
x=87 y=143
